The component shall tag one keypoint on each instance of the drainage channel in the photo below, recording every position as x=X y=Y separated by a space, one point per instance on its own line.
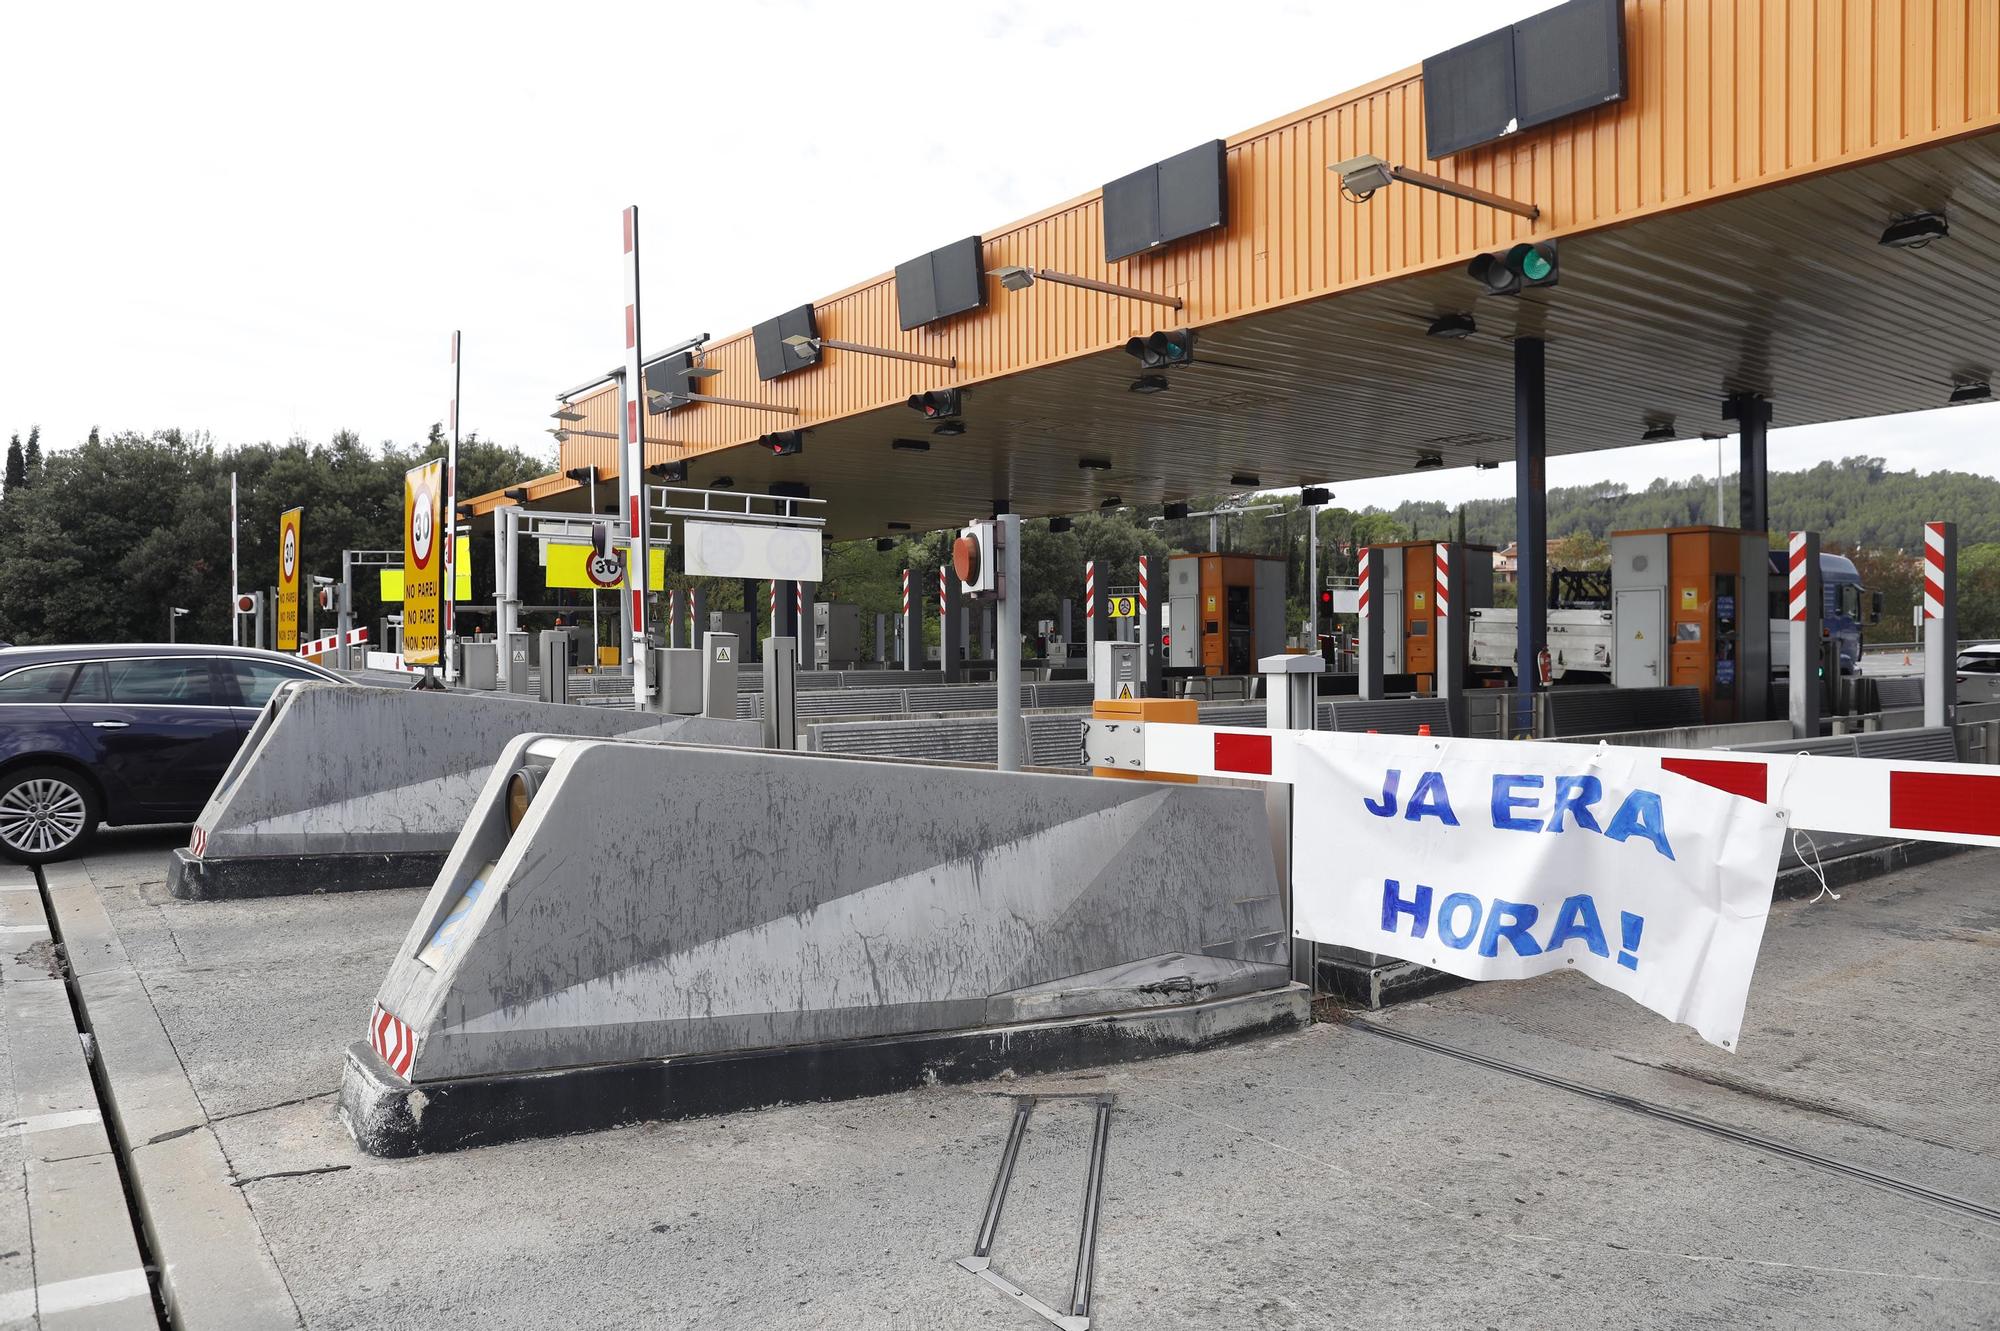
x=1646 y=1108
x=121 y=1150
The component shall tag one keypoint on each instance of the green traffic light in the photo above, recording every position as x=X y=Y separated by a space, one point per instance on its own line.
x=1535 y=266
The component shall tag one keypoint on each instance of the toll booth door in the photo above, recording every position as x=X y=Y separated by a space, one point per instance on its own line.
x=1242 y=657
x=1639 y=619
x=1392 y=633
x=1183 y=632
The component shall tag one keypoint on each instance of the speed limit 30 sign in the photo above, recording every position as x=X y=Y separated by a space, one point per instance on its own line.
x=605 y=571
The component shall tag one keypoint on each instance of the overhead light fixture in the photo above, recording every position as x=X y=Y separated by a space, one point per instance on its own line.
x=1486 y=466
x=562 y=435
x=1426 y=461
x=1452 y=326
x=517 y=493
x=1017 y=278
x=1057 y=526
x=568 y=414
x=1968 y=391
x=1244 y=478
x=885 y=544
x=723 y=483
x=1150 y=383
x=897 y=526
x=1915 y=231
x=1361 y=176
x=701 y=372
x=910 y=445
x=1110 y=501
x=1093 y=464
x=950 y=430
x=1174 y=512
x=806 y=347
x=1659 y=430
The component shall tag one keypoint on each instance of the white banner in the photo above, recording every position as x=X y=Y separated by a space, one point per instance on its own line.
x=746 y=550
x=1497 y=862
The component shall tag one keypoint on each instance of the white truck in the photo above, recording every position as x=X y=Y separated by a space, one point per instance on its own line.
x=1580 y=636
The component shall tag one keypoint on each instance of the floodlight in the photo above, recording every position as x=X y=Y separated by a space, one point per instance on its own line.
x=1968 y=391
x=802 y=346
x=567 y=414
x=1361 y=176
x=1150 y=383
x=1426 y=461
x=1452 y=326
x=950 y=429
x=1013 y=277
x=701 y=372
x=1659 y=429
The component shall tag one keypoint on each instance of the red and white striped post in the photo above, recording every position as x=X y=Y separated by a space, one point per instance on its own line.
x=1368 y=659
x=1090 y=619
x=632 y=468
x=912 y=627
x=1804 y=603
x=805 y=658
x=1454 y=632
x=1151 y=677
x=448 y=558
x=1940 y=623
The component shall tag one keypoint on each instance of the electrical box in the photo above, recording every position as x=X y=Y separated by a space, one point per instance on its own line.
x=733 y=621
x=836 y=635
x=1224 y=612
x=1688 y=607
x=1118 y=671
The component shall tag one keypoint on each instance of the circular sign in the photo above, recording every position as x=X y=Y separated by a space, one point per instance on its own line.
x=423 y=525
x=289 y=557
x=965 y=558
x=605 y=571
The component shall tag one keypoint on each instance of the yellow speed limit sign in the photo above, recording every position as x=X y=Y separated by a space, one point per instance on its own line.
x=1124 y=607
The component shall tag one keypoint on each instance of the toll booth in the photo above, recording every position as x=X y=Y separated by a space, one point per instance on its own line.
x=1405 y=574
x=1688 y=608
x=1225 y=613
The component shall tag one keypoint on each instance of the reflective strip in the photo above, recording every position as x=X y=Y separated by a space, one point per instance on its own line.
x=1366 y=579
x=1933 y=570
x=1798 y=577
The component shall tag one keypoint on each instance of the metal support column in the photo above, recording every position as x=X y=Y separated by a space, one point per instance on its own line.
x=1940 y=623
x=1152 y=672
x=781 y=723
x=1454 y=626
x=1803 y=593
x=1291 y=688
x=1374 y=625
x=1008 y=674
x=1531 y=526
x=1752 y=415
x=948 y=624
x=913 y=620
x=343 y=651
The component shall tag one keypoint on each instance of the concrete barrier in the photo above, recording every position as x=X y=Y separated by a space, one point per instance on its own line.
x=339 y=788
x=813 y=927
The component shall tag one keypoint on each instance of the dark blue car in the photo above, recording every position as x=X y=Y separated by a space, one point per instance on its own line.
x=122 y=734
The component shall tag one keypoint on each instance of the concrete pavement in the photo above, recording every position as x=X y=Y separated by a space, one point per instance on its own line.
x=1340 y=1177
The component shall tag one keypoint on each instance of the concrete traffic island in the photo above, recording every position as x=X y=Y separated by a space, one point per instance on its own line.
x=805 y=928
x=340 y=789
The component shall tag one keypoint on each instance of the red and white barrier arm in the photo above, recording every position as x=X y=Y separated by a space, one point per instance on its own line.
x=320 y=646
x=1950 y=802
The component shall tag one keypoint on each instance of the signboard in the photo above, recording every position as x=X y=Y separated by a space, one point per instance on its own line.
x=423 y=574
x=606 y=571
x=566 y=565
x=1498 y=865
x=1124 y=607
x=746 y=550
x=389 y=581
x=290 y=537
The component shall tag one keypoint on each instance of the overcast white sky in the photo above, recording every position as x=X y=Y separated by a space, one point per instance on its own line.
x=264 y=220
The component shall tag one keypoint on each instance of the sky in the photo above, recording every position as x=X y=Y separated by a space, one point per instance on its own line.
x=264 y=221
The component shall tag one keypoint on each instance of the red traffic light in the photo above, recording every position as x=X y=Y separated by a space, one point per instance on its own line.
x=941 y=405
x=245 y=603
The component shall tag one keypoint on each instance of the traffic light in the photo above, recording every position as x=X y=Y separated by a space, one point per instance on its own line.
x=785 y=443
x=1161 y=350
x=328 y=597
x=1325 y=602
x=975 y=557
x=246 y=603
x=941 y=405
x=671 y=472
x=1514 y=271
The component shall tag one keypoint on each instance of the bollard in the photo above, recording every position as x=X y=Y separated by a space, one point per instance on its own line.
x=555 y=665
x=718 y=684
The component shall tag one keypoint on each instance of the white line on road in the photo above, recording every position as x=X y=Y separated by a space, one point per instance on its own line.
x=72 y=1118
x=69 y=1295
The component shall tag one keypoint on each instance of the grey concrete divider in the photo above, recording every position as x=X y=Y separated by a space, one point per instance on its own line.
x=836 y=927
x=338 y=788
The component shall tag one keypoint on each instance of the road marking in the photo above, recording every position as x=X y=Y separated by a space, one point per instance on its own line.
x=23 y=928
x=69 y=1295
x=71 y=1118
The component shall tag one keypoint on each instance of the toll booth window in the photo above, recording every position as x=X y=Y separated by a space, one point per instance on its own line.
x=1420 y=628
x=173 y=679
x=1685 y=632
x=37 y=683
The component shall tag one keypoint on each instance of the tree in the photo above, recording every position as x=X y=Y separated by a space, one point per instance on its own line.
x=31 y=457
x=17 y=467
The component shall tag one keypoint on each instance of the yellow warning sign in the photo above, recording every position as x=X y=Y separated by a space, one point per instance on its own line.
x=1124 y=691
x=1211 y=603
x=1419 y=600
x=1124 y=607
x=1638 y=637
x=1688 y=601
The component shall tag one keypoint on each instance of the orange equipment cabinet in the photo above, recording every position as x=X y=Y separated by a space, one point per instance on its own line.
x=1405 y=577
x=1689 y=607
x=1224 y=612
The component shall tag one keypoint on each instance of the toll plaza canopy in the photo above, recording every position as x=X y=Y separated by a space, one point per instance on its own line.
x=1721 y=232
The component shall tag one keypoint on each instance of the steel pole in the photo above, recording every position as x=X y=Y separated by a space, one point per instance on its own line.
x=1312 y=577
x=448 y=566
x=632 y=467
x=235 y=619
x=1009 y=645
x=1531 y=526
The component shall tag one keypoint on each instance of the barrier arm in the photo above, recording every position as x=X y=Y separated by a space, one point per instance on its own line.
x=1912 y=801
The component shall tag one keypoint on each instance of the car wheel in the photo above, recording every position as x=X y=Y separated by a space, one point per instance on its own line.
x=46 y=813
